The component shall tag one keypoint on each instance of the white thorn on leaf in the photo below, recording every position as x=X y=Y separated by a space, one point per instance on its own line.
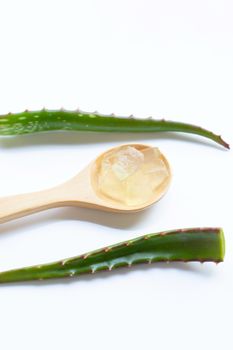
x=63 y=262
x=107 y=249
x=163 y=233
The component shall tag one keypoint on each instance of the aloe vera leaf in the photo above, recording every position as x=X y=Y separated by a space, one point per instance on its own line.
x=195 y=244
x=48 y=120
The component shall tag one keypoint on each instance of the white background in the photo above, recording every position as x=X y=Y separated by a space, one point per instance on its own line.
x=165 y=58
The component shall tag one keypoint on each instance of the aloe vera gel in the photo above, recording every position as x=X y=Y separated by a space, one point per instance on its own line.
x=132 y=176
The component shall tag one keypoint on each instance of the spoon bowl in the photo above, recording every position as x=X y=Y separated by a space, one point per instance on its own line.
x=126 y=178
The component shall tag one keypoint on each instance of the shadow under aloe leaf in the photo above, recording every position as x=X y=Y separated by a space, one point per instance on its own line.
x=83 y=138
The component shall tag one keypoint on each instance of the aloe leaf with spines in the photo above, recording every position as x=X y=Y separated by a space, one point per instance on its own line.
x=195 y=244
x=48 y=120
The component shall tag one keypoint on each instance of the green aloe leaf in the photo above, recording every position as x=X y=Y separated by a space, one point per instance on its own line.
x=47 y=120
x=195 y=244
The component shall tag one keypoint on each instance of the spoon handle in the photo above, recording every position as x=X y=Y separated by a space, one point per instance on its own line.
x=17 y=206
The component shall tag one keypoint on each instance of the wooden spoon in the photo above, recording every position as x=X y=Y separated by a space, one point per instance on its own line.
x=84 y=190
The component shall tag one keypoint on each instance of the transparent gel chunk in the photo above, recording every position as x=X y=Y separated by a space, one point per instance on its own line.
x=132 y=176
